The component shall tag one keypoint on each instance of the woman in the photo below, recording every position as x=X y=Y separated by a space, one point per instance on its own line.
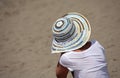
x=84 y=58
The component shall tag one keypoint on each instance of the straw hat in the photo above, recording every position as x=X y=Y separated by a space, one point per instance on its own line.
x=70 y=32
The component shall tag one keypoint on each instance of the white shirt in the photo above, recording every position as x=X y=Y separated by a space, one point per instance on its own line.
x=90 y=63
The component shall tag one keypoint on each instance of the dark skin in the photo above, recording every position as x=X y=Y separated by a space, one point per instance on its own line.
x=61 y=71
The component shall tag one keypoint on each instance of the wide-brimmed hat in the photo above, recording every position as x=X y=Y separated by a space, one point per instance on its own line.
x=70 y=32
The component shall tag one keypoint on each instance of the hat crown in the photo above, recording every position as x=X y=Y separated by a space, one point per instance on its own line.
x=59 y=23
x=63 y=29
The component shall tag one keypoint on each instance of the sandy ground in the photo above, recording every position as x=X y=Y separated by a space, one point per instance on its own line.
x=25 y=34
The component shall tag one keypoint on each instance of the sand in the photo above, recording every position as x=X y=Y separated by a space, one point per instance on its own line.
x=25 y=34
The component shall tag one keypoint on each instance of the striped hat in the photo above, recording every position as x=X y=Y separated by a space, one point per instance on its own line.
x=70 y=32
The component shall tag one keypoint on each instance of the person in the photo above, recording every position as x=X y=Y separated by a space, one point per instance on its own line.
x=83 y=57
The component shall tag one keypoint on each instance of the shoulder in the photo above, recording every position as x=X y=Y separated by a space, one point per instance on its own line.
x=67 y=55
x=65 y=59
x=96 y=46
x=96 y=43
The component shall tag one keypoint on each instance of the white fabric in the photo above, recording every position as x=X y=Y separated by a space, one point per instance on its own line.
x=90 y=63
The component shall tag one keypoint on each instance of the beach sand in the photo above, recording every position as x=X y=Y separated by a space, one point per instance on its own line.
x=25 y=34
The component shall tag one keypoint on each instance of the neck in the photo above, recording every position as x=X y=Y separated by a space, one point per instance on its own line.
x=86 y=46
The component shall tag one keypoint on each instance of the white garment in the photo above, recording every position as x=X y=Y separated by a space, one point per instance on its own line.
x=90 y=63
